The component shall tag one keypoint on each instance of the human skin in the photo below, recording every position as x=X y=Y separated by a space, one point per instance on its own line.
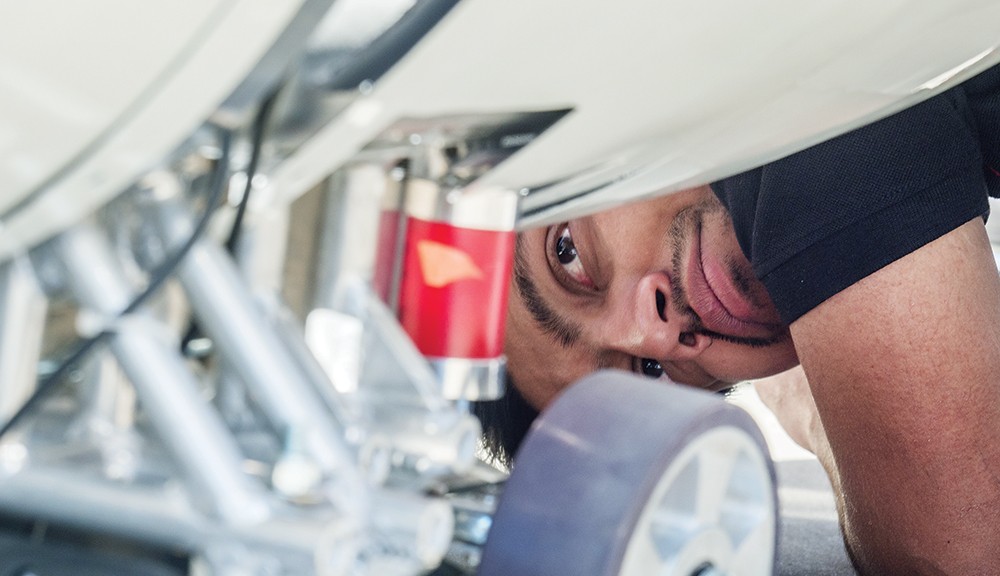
x=897 y=389
x=904 y=368
x=708 y=334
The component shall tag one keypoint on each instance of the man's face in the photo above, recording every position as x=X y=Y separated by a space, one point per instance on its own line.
x=659 y=288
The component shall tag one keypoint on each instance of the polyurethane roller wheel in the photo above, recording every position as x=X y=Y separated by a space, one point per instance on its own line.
x=624 y=476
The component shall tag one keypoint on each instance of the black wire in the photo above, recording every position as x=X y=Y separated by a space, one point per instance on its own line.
x=159 y=276
x=193 y=331
x=263 y=113
x=46 y=386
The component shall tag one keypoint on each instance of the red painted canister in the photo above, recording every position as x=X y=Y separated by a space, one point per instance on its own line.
x=453 y=280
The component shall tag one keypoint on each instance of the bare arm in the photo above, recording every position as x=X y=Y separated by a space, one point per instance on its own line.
x=787 y=395
x=904 y=367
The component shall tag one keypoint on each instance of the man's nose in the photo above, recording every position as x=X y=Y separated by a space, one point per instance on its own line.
x=648 y=325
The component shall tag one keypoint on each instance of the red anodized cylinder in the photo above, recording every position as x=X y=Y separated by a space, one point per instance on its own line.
x=447 y=277
x=454 y=288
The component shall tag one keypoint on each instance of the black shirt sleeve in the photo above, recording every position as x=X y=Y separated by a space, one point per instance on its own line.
x=816 y=222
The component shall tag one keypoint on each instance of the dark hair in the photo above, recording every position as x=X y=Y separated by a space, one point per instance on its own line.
x=505 y=424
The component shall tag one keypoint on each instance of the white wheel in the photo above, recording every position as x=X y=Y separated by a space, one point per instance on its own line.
x=622 y=476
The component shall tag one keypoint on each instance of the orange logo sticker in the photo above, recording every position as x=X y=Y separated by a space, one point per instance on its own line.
x=441 y=264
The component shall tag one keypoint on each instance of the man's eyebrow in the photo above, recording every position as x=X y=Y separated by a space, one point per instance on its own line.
x=564 y=331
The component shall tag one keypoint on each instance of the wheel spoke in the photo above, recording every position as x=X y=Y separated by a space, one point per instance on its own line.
x=754 y=554
x=715 y=480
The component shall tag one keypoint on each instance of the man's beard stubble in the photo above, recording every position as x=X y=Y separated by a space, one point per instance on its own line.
x=686 y=226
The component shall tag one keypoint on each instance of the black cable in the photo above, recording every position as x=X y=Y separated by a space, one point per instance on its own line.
x=159 y=276
x=260 y=122
x=193 y=331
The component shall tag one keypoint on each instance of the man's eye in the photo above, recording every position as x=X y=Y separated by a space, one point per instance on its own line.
x=568 y=258
x=650 y=368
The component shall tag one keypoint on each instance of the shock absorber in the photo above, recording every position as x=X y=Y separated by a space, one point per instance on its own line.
x=452 y=250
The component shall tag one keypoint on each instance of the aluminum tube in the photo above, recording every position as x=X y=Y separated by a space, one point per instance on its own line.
x=192 y=430
x=22 y=320
x=92 y=273
x=228 y=313
x=159 y=515
x=349 y=230
x=291 y=336
x=107 y=398
x=198 y=440
x=438 y=442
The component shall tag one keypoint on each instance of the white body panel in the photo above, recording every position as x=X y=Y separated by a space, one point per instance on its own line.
x=94 y=93
x=664 y=95
x=72 y=70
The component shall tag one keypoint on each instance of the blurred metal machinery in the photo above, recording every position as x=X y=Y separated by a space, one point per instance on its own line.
x=166 y=411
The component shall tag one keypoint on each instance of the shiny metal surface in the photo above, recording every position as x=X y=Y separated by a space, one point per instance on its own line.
x=470 y=379
x=22 y=318
x=163 y=383
x=478 y=208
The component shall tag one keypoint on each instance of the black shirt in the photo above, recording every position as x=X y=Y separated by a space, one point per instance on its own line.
x=817 y=221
